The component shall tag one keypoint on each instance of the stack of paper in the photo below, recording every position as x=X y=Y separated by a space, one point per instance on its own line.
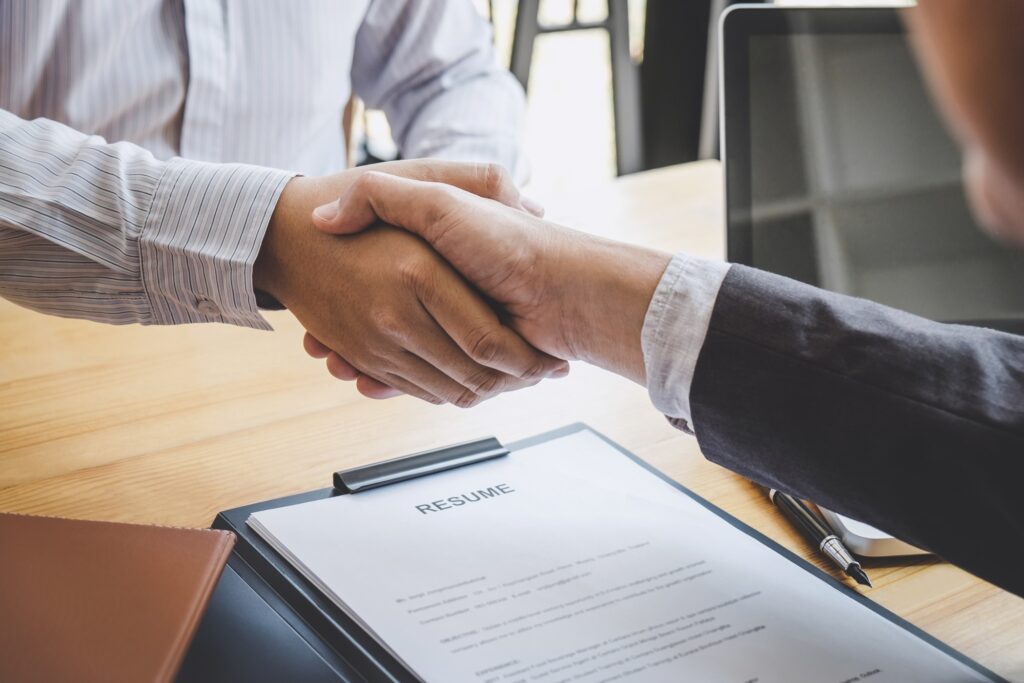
x=568 y=561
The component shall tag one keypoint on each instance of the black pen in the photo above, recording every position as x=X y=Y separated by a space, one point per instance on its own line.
x=828 y=543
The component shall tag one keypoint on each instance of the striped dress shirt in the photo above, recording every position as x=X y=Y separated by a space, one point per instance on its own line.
x=144 y=143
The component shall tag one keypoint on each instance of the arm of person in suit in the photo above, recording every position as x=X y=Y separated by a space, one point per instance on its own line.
x=907 y=424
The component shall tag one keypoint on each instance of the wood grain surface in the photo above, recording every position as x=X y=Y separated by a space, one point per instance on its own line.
x=171 y=425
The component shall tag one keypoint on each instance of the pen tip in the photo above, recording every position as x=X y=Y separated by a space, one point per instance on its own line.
x=857 y=574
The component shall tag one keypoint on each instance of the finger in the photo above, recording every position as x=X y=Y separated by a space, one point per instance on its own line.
x=488 y=180
x=411 y=375
x=341 y=368
x=478 y=332
x=368 y=386
x=435 y=381
x=372 y=388
x=532 y=206
x=389 y=385
x=419 y=207
x=491 y=181
x=436 y=347
x=314 y=346
x=414 y=377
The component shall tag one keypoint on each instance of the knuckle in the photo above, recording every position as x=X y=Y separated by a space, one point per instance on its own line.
x=495 y=179
x=417 y=270
x=484 y=346
x=373 y=365
x=440 y=206
x=535 y=371
x=384 y=364
x=386 y=321
x=467 y=399
x=366 y=182
x=486 y=383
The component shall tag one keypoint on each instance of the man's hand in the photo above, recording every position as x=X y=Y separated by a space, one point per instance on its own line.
x=388 y=305
x=570 y=294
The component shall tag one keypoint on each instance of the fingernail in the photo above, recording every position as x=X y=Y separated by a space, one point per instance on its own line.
x=531 y=206
x=327 y=212
x=560 y=372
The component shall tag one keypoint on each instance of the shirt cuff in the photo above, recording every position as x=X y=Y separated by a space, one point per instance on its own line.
x=674 y=330
x=201 y=237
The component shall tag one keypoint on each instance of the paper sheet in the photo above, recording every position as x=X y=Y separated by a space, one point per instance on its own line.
x=568 y=561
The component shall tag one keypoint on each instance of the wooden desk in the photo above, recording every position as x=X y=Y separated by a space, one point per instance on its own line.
x=171 y=425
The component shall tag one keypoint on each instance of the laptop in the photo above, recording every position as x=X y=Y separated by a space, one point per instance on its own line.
x=841 y=174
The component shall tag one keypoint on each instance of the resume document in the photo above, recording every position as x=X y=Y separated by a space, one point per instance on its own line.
x=569 y=562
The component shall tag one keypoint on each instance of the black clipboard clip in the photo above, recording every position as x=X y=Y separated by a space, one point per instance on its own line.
x=417 y=465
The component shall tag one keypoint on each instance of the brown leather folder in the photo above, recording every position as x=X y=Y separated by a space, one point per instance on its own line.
x=101 y=601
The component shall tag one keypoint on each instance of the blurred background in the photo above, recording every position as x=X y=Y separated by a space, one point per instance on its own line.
x=666 y=107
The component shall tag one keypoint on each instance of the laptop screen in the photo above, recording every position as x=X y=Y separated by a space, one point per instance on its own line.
x=848 y=179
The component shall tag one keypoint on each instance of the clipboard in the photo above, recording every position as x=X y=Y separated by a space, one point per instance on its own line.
x=266 y=622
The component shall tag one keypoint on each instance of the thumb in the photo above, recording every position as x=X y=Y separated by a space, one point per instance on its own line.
x=414 y=205
x=359 y=213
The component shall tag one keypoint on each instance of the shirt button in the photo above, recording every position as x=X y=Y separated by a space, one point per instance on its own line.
x=207 y=307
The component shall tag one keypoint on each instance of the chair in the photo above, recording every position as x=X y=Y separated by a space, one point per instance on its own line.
x=625 y=73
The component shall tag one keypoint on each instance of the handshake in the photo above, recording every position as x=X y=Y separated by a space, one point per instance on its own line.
x=438 y=280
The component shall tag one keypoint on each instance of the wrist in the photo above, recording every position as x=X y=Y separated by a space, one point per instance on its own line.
x=609 y=289
x=271 y=271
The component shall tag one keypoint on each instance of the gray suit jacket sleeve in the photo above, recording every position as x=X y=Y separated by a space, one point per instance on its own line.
x=913 y=426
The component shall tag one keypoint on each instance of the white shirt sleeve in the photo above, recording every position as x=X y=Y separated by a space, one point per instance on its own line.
x=107 y=232
x=431 y=67
x=674 y=330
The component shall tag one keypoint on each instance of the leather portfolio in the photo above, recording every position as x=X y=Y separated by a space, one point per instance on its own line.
x=102 y=601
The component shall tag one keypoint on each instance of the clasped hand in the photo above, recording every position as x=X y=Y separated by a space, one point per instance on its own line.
x=403 y=311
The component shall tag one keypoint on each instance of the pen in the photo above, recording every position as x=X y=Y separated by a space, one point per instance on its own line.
x=828 y=543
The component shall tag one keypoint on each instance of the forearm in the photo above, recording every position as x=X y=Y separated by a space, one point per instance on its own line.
x=107 y=232
x=869 y=411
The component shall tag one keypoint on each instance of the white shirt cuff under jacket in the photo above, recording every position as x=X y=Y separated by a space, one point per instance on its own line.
x=674 y=330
